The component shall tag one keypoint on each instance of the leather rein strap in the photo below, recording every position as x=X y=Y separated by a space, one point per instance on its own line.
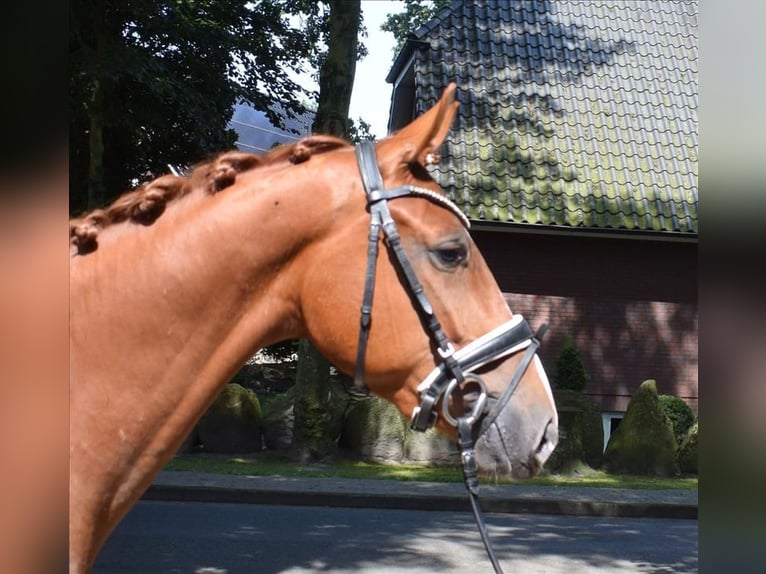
x=455 y=367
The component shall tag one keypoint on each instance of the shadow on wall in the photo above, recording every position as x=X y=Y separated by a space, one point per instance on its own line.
x=621 y=343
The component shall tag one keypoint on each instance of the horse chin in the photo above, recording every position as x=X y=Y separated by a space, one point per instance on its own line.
x=498 y=455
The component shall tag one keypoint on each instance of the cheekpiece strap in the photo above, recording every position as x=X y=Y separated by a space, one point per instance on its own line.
x=380 y=216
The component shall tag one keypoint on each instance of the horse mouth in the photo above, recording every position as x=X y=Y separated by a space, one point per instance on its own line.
x=502 y=452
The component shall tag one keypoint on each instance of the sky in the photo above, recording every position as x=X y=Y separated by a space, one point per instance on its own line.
x=371 y=96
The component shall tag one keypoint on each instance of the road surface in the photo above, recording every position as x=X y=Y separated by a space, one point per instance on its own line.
x=206 y=538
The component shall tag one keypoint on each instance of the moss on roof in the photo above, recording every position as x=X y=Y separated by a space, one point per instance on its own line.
x=573 y=113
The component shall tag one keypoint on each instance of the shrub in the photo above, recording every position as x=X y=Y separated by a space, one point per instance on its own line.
x=570 y=370
x=679 y=413
x=644 y=441
x=581 y=438
x=233 y=422
x=687 y=452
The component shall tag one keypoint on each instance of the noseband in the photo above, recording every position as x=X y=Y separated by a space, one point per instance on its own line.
x=454 y=369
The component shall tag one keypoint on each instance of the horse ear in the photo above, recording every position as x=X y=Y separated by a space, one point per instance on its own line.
x=426 y=133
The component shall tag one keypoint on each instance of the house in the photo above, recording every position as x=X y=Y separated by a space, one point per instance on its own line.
x=257 y=134
x=574 y=154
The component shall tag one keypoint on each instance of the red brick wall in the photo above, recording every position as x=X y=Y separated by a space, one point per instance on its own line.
x=629 y=305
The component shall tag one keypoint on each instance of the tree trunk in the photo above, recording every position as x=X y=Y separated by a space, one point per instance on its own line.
x=312 y=439
x=96 y=99
x=336 y=78
x=96 y=147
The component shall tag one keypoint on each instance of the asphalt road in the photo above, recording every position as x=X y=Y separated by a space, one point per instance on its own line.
x=208 y=538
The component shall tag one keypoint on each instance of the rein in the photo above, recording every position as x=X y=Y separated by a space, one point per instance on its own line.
x=455 y=369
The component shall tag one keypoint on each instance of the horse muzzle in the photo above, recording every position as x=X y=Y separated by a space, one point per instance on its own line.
x=517 y=443
x=510 y=439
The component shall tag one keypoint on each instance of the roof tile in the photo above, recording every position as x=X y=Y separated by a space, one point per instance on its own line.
x=573 y=113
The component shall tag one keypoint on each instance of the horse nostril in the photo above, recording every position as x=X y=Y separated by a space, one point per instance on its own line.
x=547 y=443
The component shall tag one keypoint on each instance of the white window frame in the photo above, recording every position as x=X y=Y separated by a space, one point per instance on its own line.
x=606 y=420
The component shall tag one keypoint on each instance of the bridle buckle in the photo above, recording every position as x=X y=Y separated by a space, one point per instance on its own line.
x=447 y=352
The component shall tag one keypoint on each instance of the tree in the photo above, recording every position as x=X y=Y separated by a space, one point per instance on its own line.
x=336 y=75
x=311 y=440
x=680 y=414
x=415 y=14
x=570 y=370
x=154 y=82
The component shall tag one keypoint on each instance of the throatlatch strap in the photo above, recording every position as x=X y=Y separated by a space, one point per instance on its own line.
x=365 y=320
x=373 y=183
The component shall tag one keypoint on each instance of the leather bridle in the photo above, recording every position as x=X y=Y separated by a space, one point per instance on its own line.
x=455 y=368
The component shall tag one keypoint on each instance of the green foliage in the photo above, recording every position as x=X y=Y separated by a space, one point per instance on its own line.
x=415 y=14
x=581 y=438
x=269 y=463
x=359 y=130
x=570 y=370
x=154 y=83
x=284 y=351
x=688 y=451
x=679 y=413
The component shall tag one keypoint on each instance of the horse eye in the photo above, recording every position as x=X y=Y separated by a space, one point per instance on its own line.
x=450 y=255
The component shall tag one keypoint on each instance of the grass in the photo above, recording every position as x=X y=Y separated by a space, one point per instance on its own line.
x=272 y=464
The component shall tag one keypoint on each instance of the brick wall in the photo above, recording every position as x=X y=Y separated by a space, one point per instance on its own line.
x=629 y=305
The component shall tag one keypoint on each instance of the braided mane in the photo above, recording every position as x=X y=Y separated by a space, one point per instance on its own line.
x=147 y=202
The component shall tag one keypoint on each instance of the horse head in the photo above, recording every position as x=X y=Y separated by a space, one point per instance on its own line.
x=438 y=339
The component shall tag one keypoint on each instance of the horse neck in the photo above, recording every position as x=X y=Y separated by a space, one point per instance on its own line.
x=200 y=290
x=162 y=316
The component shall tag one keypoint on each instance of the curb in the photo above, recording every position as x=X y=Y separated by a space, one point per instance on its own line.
x=171 y=493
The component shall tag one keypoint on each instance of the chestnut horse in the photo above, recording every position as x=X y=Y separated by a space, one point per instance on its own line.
x=169 y=298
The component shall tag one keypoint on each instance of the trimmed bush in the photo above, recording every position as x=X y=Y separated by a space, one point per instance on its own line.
x=679 y=413
x=644 y=442
x=687 y=452
x=232 y=424
x=570 y=370
x=581 y=434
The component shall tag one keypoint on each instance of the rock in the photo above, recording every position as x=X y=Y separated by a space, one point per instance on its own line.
x=430 y=448
x=375 y=430
x=644 y=442
x=278 y=422
x=233 y=422
x=687 y=452
x=279 y=416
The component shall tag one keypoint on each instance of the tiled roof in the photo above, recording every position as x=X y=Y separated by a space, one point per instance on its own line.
x=573 y=113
